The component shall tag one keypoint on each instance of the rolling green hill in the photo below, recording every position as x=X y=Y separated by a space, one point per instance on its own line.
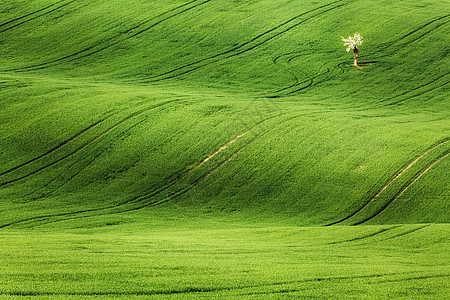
x=122 y=115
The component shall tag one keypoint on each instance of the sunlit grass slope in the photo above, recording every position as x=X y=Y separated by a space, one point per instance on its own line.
x=245 y=108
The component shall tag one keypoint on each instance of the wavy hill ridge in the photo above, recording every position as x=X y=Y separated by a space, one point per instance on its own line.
x=206 y=108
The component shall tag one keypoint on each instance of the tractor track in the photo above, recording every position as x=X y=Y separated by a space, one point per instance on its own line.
x=416 y=278
x=246 y=46
x=309 y=80
x=404 y=45
x=77 y=172
x=435 y=80
x=116 y=209
x=135 y=199
x=116 y=39
x=46 y=10
x=365 y=236
x=308 y=280
x=394 y=178
x=202 y=177
x=83 y=146
x=59 y=146
x=419 y=94
x=406 y=232
x=405 y=187
x=240 y=288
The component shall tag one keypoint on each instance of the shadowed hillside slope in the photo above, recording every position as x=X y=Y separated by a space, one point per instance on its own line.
x=240 y=108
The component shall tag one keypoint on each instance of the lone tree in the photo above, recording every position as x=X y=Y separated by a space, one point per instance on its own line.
x=352 y=43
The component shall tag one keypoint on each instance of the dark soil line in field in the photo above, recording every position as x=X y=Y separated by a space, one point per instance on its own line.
x=296 y=78
x=47 y=219
x=310 y=79
x=399 y=173
x=396 y=41
x=415 y=278
x=31 y=13
x=223 y=147
x=309 y=280
x=415 y=89
x=58 y=146
x=201 y=178
x=143 y=197
x=77 y=163
x=365 y=236
x=127 y=37
x=111 y=41
x=243 y=48
x=419 y=94
x=82 y=147
x=312 y=82
x=405 y=187
x=35 y=17
x=198 y=290
x=406 y=232
x=403 y=46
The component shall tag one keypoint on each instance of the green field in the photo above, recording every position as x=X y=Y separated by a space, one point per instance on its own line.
x=224 y=149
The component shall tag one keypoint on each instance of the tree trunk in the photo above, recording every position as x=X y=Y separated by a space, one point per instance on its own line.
x=355 y=61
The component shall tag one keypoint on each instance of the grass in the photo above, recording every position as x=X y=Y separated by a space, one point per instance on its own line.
x=224 y=135
x=248 y=262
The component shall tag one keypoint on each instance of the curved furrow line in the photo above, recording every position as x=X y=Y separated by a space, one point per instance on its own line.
x=294 y=290
x=185 y=174
x=188 y=188
x=77 y=172
x=307 y=280
x=58 y=146
x=311 y=78
x=114 y=40
x=202 y=162
x=396 y=41
x=47 y=219
x=136 y=200
x=365 y=236
x=397 y=235
x=419 y=94
x=384 y=103
x=404 y=45
x=387 y=184
x=244 y=47
x=416 y=278
x=312 y=82
x=198 y=180
x=203 y=291
x=296 y=78
x=406 y=232
x=33 y=13
x=30 y=14
x=415 y=89
x=405 y=187
x=82 y=147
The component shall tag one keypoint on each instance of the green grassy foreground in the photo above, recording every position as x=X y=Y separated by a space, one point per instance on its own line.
x=222 y=149
x=372 y=262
